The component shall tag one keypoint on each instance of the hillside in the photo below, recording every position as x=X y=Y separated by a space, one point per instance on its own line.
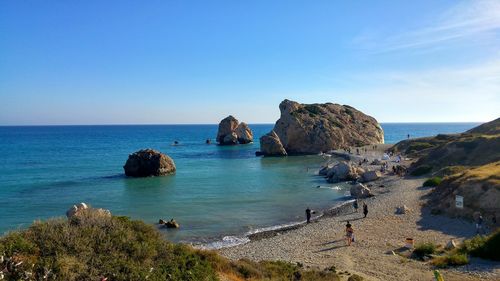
x=480 y=188
x=97 y=246
x=478 y=146
x=470 y=165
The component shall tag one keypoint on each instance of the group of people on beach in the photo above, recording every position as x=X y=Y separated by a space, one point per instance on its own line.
x=349 y=231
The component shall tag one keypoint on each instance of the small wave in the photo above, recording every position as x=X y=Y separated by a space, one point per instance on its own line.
x=274 y=227
x=227 y=241
x=335 y=187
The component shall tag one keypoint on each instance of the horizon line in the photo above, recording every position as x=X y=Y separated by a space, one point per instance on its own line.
x=209 y=124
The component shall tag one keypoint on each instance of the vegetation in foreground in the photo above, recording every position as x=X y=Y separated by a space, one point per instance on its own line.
x=485 y=247
x=95 y=246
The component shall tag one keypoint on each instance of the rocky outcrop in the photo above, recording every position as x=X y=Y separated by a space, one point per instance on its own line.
x=315 y=128
x=79 y=210
x=370 y=176
x=270 y=144
x=243 y=133
x=359 y=190
x=342 y=171
x=232 y=132
x=148 y=162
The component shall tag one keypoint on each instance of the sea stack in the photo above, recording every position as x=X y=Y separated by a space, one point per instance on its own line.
x=232 y=132
x=148 y=163
x=316 y=128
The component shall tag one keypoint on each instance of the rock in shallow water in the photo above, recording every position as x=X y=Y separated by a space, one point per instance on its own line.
x=315 y=128
x=148 y=162
x=232 y=132
x=270 y=144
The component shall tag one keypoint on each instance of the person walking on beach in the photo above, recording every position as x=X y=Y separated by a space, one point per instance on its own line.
x=365 y=209
x=349 y=233
x=308 y=215
x=355 y=205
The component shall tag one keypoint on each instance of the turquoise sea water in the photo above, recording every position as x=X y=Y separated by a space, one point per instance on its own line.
x=216 y=192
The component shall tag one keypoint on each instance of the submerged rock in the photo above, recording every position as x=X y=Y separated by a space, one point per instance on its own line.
x=270 y=144
x=316 y=128
x=232 y=132
x=172 y=224
x=148 y=162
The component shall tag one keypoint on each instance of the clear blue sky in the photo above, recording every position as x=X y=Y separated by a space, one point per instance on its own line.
x=162 y=62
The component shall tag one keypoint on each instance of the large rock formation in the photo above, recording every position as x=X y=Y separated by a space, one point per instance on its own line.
x=148 y=162
x=315 y=128
x=270 y=144
x=232 y=132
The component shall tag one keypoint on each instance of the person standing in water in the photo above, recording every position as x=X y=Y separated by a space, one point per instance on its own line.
x=365 y=209
x=308 y=215
x=355 y=205
x=349 y=233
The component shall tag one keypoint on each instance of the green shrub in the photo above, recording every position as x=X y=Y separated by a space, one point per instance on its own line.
x=421 y=170
x=452 y=259
x=484 y=247
x=424 y=249
x=432 y=182
x=95 y=245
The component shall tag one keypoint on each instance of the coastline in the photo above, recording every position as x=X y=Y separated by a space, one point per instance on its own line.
x=320 y=244
x=270 y=231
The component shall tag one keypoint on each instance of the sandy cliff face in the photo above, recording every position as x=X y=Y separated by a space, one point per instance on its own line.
x=315 y=128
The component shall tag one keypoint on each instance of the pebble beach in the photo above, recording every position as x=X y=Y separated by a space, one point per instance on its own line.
x=378 y=237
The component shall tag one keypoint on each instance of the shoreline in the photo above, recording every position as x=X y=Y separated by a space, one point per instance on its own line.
x=320 y=244
x=273 y=230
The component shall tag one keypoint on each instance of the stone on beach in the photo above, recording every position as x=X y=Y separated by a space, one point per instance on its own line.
x=452 y=244
x=359 y=190
x=148 y=162
x=370 y=176
x=343 y=171
x=402 y=210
